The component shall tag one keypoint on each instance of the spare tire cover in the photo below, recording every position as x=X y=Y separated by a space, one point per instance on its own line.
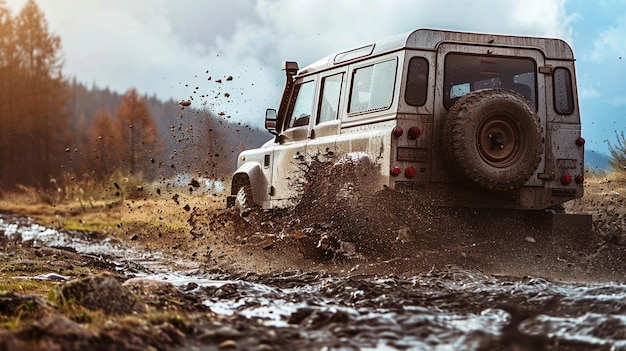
x=493 y=137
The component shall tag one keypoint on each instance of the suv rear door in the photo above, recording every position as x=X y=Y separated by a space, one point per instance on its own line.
x=462 y=68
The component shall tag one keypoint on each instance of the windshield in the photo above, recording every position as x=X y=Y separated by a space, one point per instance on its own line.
x=465 y=73
x=301 y=110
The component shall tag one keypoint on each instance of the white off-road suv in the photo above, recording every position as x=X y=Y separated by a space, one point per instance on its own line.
x=464 y=119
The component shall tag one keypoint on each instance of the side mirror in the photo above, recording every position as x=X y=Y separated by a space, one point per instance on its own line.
x=270 y=121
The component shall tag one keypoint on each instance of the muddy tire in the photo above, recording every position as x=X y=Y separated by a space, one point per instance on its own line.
x=243 y=201
x=493 y=138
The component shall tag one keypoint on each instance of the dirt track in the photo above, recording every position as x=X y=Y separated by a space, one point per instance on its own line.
x=309 y=277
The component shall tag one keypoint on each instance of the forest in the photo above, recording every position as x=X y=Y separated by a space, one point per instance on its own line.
x=55 y=129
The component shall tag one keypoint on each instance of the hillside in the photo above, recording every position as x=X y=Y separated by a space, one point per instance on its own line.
x=596 y=160
x=195 y=140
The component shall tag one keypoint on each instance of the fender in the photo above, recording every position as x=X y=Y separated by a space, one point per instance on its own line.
x=250 y=173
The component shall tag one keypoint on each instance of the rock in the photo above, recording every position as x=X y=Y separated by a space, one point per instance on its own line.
x=62 y=265
x=50 y=251
x=160 y=294
x=530 y=239
x=57 y=325
x=228 y=345
x=300 y=315
x=8 y=341
x=101 y=292
x=265 y=347
x=56 y=332
x=220 y=333
x=15 y=304
x=191 y=285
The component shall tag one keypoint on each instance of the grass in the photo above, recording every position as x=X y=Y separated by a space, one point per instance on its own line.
x=159 y=220
x=25 y=286
x=91 y=226
x=17 y=272
x=27 y=311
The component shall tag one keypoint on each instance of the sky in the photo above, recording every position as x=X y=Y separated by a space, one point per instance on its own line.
x=180 y=49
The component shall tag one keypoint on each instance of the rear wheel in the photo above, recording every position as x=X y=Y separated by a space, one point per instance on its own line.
x=493 y=137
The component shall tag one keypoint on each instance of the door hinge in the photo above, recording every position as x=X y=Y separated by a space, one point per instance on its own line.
x=547 y=69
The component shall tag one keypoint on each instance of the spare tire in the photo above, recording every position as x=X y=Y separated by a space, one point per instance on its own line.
x=493 y=137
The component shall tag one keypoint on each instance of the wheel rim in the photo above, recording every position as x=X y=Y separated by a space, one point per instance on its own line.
x=499 y=140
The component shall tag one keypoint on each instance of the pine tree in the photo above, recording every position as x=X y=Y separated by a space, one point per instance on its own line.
x=33 y=90
x=8 y=97
x=44 y=91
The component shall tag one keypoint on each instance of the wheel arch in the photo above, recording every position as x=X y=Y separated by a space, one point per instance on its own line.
x=250 y=173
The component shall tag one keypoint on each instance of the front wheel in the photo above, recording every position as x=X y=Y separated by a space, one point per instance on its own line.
x=244 y=202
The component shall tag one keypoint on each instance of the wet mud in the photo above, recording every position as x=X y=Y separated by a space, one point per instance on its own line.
x=342 y=270
x=339 y=279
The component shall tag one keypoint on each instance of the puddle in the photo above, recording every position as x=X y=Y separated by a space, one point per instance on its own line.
x=127 y=258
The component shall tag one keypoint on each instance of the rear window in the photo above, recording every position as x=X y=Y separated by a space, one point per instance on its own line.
x=372 y=87
x=465 y=73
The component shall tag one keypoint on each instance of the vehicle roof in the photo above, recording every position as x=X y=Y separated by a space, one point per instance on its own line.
x=430 y=39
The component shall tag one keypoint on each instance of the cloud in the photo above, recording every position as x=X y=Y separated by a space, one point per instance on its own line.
x=611 y=43
x=587 y=92
x=166 y=48
x=274 y=30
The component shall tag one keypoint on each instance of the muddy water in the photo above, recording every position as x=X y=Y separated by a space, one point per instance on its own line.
x=451 y=309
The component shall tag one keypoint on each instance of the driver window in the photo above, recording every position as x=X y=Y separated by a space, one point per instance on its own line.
x=303 y=107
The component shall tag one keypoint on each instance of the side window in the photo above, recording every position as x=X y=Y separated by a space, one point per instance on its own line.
x=417 y=82
x=563 y=94
x=329 y=102
x=372 y=87
x=301 y=110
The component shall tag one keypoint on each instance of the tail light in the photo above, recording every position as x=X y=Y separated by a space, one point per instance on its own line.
x=580 y=141
x=579 y=179
x=414 y=133
x=395 y=171
x=410 y=172
x=566 y=179
x=397 y=132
